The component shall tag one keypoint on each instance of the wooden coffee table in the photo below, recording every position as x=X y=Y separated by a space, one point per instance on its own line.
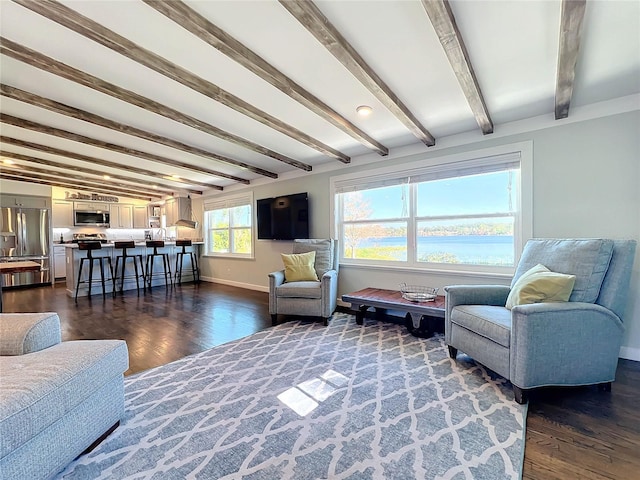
x=383 y=300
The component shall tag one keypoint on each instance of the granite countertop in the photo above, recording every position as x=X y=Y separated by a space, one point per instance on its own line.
x=111 y=244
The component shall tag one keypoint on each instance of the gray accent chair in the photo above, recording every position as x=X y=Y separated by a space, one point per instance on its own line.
x=308 y=298
x=548 y=344
x=57 y=399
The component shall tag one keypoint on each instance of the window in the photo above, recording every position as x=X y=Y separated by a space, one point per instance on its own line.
x=228 y=226
x=461 y=214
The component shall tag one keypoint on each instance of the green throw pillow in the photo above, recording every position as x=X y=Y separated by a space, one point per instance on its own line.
x=540 y=285
x=299 y=267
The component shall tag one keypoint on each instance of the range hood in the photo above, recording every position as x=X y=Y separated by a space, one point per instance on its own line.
x=185 y=214
x=186 y=223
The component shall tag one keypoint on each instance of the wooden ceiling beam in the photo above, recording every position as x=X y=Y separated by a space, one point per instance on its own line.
x=97 y=161
x=328 y=35
x=571 y=20
x=75 y=137
x=195 y=23
x=77 y=22
x=98 y=187
x=48 y=64
x=61 y=108
x=444 y=23
x=88 y=171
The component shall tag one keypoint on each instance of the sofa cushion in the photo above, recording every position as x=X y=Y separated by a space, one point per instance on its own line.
x=540 y=285
x=22 y=333
x=298 y=267
x=39 y=388
x=488 y=321
x=299 y=290
x=324 y=248
x=587 y=259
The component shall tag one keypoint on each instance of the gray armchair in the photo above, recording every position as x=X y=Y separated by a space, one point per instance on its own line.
x=308 y=298
x=548 y=344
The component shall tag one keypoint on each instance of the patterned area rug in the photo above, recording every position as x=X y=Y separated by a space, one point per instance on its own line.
x=303 y=401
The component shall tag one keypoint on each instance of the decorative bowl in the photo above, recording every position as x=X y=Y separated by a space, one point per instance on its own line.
x=418 y=293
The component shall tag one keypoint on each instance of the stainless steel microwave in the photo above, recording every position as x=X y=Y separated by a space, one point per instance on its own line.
x=91 y=218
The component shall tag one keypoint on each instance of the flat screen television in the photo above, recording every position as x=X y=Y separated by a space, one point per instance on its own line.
x=283 y=218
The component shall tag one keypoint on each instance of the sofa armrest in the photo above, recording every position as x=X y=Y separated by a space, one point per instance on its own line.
x=275 y=280
x=22 y=333
x=568 y=343
x=476 y=295
x=329 y=292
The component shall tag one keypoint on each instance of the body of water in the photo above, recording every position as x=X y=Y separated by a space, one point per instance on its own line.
x=472 y=249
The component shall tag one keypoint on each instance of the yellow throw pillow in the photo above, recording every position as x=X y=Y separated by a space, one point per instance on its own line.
x=540 y=285
x=299 y=267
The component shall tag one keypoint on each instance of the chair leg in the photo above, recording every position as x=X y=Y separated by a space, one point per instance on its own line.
x=194 y=268
x=453 y=352
x=604 y=387
x=520 y=395
x=274 y=319
x=325 y=321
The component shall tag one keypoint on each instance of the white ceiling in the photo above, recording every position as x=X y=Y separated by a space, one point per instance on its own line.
x=512 y=45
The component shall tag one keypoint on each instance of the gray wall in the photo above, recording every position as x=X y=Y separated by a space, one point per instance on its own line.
x=586 y=178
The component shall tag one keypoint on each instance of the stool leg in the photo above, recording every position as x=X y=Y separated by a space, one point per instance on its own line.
x=79 y=277
x=166 y=267
x=113 y=278
x=124 y=267
x=116 y=274
x=194 y=268
x=180 y=257
x=101 y=261
x=90 y=276
x=169 y=267
x=150 y=272
x=135 y=268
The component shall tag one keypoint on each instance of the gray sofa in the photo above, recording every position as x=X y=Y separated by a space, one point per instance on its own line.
x=548 y=344
x=56 y=398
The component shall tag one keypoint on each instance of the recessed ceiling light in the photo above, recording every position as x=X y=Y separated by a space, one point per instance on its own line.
x=364 y=110
x=6 y=161
x=106 y=177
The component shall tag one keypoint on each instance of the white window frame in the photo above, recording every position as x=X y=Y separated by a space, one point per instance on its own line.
x=228 y=201
x=431 y=168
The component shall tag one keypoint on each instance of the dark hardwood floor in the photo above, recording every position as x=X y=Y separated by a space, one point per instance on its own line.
x=572 y=433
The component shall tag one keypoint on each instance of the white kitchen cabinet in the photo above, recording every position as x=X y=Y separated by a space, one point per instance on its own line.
x=62 y=214
x=121 y=216
x=140 y=219
x=59 y=262
x=91 y=206
x=25 y=201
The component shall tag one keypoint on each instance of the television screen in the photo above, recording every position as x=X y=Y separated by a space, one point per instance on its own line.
x=283 y=218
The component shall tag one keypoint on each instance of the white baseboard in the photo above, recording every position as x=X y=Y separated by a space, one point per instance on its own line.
x=630 y=353
x=248 y=286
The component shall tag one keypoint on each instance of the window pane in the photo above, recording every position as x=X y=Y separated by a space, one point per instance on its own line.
x=473 y=194
x=219 y=218
x=376 y=241
x=220 y=241
x=478 y=241
x=241 y=240
x=377 y=203
x=241 y=216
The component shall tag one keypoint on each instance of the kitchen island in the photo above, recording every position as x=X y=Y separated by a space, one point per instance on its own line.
x=73 y=256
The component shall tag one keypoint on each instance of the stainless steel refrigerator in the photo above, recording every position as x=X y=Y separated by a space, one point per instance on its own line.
x=25 y=235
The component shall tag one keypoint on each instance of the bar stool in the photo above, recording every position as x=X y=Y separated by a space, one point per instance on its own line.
x=124 y=256
x=180 y=258
x=89 y=247
x=166 y=263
